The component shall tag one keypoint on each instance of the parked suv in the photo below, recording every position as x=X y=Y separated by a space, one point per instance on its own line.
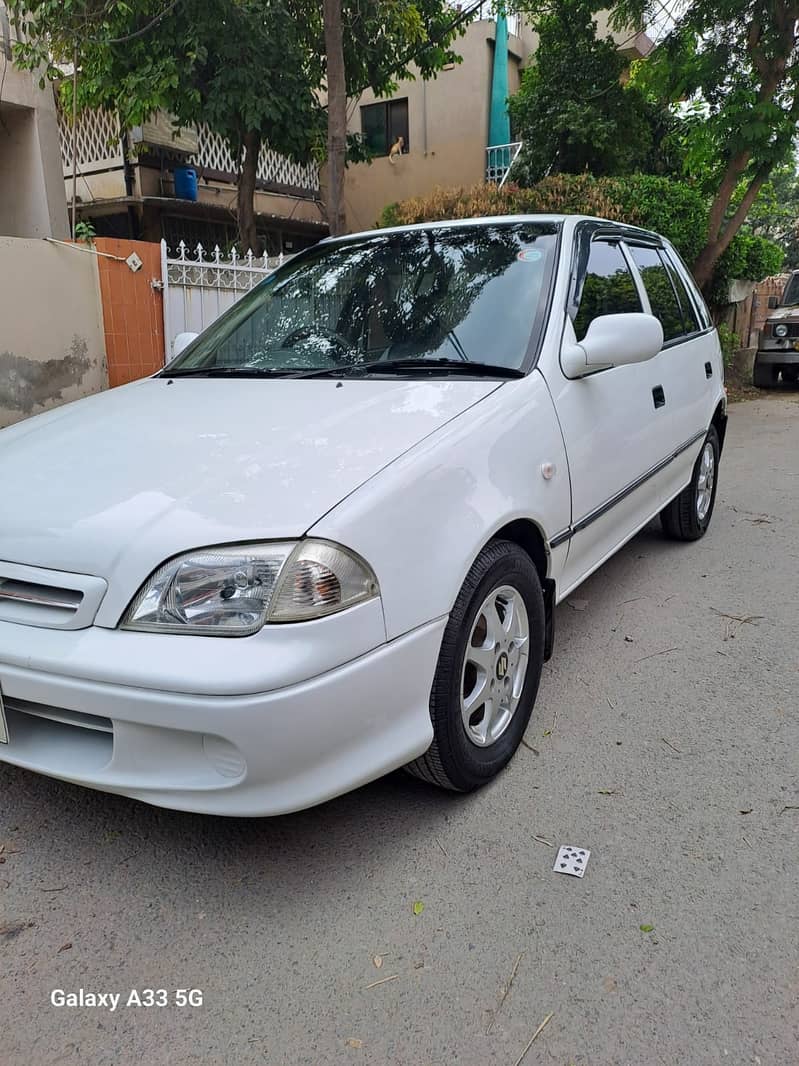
x=328 y=539
x=778 y=347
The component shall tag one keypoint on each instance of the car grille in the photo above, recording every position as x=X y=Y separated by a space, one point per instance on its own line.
x=48 y=598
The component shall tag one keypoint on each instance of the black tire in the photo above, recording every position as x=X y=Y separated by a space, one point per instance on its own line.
x=764 y=376
x=680 y=518
x=453 y=761
x=790 y=375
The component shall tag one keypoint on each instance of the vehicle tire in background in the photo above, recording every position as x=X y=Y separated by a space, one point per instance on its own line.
x=688 y=515
x=488 y=671
x=764 y=376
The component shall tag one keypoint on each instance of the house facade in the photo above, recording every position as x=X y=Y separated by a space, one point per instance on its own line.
x=445 y=124
x=32 y=200
x=126 y=186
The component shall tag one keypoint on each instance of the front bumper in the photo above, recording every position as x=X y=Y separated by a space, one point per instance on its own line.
x=244 y=755
x=777 y=357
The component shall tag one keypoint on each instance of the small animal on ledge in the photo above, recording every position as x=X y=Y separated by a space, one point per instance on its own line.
x=396 y=150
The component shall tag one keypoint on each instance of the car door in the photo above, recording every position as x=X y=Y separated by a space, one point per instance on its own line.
x=689 y=367
x=610 y=419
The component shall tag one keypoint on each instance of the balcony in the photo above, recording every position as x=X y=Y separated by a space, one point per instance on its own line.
x=100 y=151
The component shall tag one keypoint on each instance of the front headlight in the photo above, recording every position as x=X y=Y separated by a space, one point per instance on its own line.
x=234 y=591
x=781 y=330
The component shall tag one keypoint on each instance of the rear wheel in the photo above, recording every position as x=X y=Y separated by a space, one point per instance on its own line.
x=488 y=671
x=688 y=515
x=764 y=376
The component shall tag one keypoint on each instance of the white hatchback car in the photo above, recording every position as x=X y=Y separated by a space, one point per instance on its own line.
x=327 y=541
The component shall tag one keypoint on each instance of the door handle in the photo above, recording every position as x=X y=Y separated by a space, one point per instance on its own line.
x=659 y=396
x=708 y=370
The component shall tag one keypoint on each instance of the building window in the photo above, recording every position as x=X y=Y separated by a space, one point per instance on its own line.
x=383 y=124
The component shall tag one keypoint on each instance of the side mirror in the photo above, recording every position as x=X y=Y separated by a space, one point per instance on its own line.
x=613 y=340
x=773 y=303
x=181 y=342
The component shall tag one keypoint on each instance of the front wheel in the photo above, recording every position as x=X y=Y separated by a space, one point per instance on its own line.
x=688 y=515
x=488 y=671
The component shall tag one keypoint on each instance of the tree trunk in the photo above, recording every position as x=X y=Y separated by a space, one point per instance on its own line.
x=245 y=193
x=336 y=117
x=720 y=239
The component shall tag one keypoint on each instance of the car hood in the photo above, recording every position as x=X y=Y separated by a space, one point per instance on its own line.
x=780 y=314
x=133 y=476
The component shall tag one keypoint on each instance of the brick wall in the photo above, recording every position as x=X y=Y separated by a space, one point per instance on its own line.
x=133 y=316
x=760 y=309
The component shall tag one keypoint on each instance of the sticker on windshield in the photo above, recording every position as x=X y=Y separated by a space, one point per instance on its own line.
x=529 y=255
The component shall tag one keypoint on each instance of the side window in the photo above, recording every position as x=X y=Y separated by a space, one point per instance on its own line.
x=608 y=288
x=694 y=311
x=690 y=321
x=661 y=292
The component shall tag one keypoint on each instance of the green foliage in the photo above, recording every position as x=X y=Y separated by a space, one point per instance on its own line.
x=775 y=213
x=85 y=232
x=389 y=216
x=732 y=71
x=572 y=112
x=238 y=65
x=728 y=63
x=748 y=256
x=668 y=207
x=245 y=67
x=730 y=342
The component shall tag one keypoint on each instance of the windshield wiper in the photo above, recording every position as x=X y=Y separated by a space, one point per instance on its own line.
x=436 y=366
x=226 y=371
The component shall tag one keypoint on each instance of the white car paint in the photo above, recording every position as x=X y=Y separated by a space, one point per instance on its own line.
x=416 y=476
x=141 y=473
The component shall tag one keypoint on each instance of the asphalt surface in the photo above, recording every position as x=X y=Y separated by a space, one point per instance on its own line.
x=665 y=740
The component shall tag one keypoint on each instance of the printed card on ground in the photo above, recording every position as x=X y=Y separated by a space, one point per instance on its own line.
x=571 y=860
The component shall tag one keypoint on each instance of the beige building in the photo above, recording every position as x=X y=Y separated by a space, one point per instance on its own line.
x=32 y=201
x=443 y=122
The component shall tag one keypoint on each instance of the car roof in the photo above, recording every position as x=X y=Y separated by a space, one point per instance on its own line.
x=486 y=220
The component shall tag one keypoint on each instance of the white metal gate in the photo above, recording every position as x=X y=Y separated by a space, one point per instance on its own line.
x=198 y=287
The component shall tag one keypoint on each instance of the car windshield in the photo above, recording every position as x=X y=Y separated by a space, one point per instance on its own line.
x=791 y=295
x=470 y=295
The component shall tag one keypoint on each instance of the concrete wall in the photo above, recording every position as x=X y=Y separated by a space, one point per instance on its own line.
x=32 y=200
x=51 y=339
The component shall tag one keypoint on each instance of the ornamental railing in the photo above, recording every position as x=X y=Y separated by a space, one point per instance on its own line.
x=99 y=147
x=499 y=160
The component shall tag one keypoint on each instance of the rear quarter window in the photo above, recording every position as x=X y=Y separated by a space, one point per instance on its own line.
x=661 y=292
x=608 y=287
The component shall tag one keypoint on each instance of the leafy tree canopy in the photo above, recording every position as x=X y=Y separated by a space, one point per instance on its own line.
x=573 y=111
x=254 y=70
x=735 y=64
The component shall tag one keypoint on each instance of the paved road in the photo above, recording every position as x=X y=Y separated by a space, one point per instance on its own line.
x=672 y=755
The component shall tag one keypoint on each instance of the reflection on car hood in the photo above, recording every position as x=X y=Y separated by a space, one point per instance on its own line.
x=141 y=473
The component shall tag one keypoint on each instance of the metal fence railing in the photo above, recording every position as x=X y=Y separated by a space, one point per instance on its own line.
x=499 y=159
